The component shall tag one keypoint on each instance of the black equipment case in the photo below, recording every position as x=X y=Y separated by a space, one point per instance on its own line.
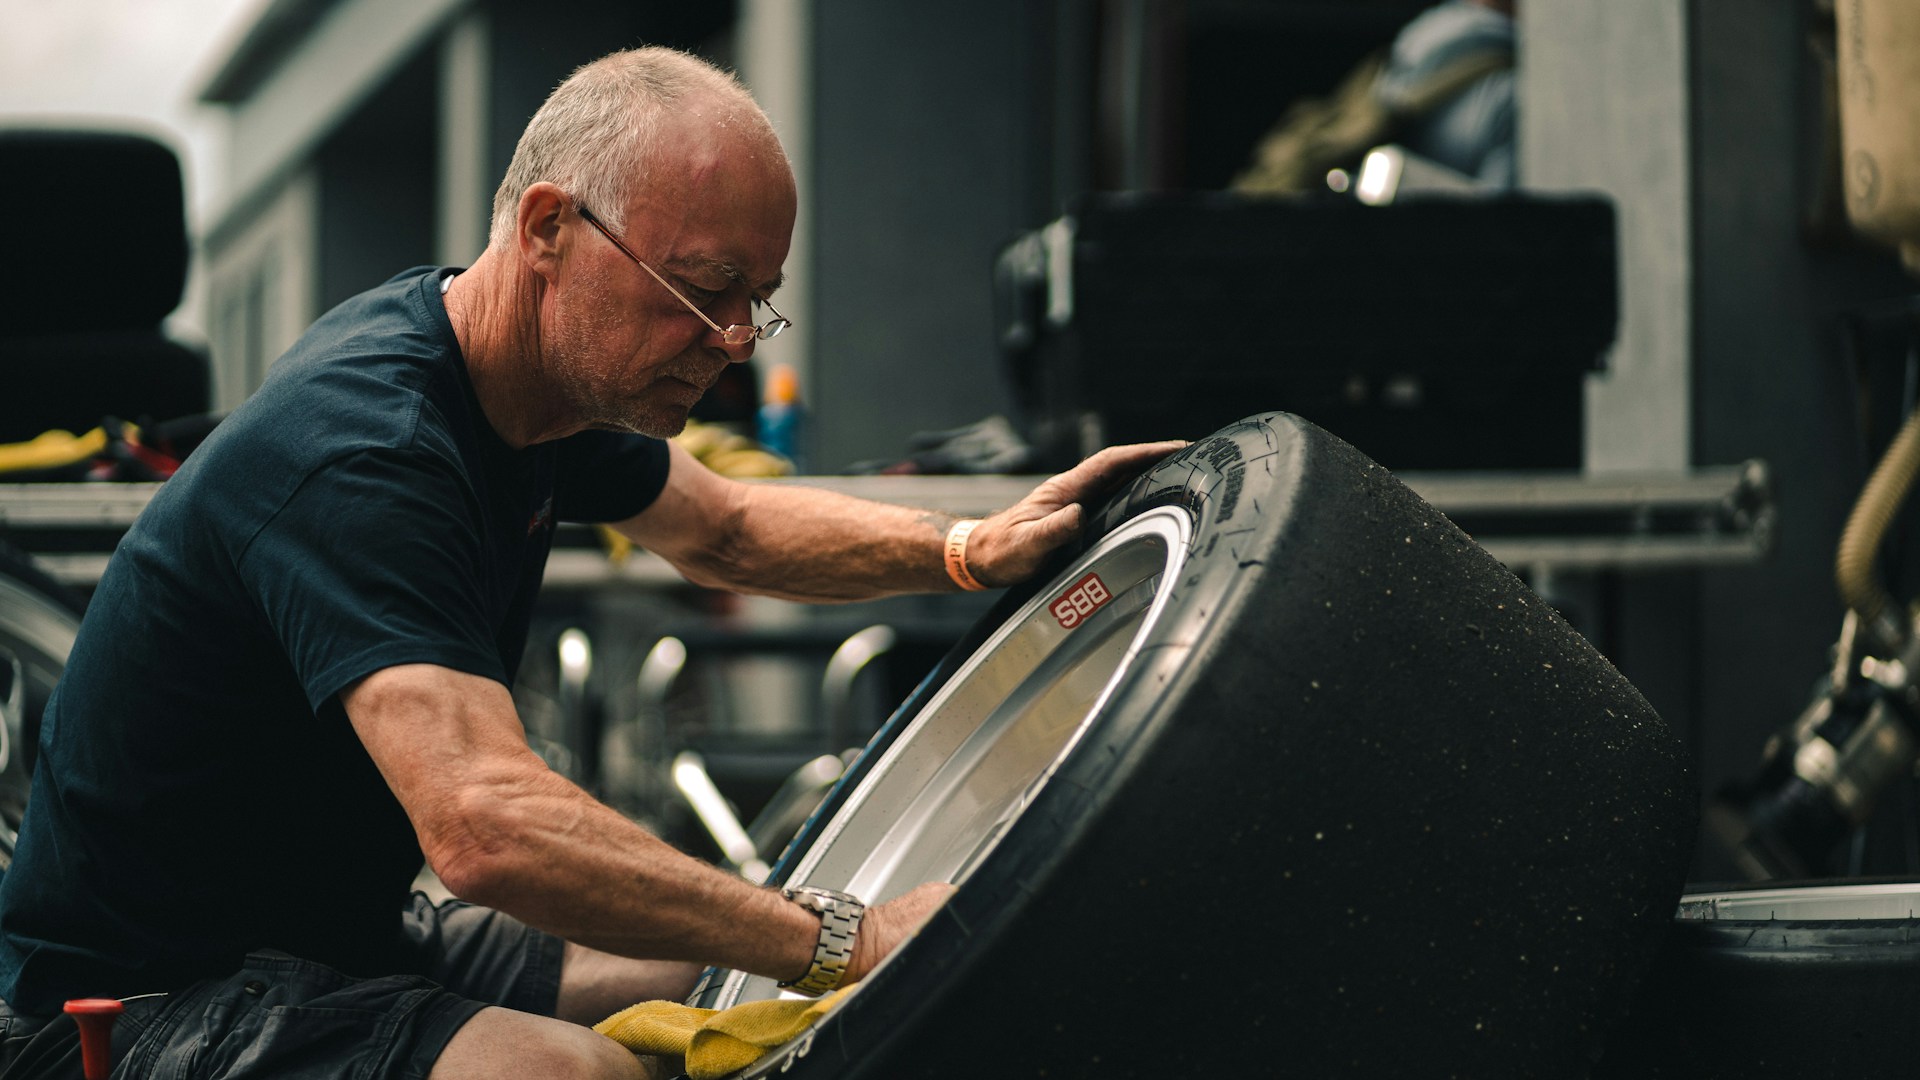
x=1449 y=333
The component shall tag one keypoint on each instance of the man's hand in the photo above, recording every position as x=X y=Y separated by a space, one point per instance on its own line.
x=886 y=925
x=1009 y=547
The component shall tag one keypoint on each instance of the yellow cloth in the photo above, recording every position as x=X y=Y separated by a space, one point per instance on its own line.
x=52 y=449
x=714 y=1042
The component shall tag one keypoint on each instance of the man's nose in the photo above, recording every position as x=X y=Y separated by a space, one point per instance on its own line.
x=732 y=315
x=736 y=354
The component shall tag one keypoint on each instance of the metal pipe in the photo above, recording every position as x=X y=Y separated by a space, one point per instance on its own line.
x=690 y=776
x=836 y=684
x=1879 y=501
x=578 y=726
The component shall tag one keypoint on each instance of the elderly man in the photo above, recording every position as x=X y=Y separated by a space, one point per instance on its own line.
x=293 y=681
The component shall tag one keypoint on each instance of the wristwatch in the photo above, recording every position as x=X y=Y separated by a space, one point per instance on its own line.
x=839 y=922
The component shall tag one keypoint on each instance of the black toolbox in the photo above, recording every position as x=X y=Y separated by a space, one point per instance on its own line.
x=1447 y=333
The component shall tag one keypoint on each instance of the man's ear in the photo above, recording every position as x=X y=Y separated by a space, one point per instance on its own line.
x=537 y=234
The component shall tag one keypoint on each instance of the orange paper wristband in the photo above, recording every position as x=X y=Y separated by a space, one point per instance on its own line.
x=957 y=555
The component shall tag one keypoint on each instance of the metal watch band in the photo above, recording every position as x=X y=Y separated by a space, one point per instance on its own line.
x=839 y=921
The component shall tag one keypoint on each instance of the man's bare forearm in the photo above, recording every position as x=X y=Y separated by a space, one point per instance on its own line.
x=503 y=830
x=558 y=859
x=804 y=543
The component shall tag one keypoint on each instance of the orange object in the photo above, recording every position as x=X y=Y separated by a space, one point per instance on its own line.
x=95 y=1017
x=956 y=553
x=783 y=386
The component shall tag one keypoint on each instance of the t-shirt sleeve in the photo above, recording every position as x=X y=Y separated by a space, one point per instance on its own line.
x=602 y=476
x=373 y=561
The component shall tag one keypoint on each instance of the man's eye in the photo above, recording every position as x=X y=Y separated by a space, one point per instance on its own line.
x=697 y=294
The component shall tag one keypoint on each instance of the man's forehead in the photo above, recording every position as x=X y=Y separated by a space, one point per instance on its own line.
x=728 y=211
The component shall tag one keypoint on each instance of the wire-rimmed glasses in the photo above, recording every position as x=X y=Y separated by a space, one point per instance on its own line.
x=737 y=334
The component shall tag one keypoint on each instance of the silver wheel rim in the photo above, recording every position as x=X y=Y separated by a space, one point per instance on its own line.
x=37 y=634
x=1805 y=903
x=944 y=793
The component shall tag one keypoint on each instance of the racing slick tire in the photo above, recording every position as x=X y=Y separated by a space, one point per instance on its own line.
x=1283 y=775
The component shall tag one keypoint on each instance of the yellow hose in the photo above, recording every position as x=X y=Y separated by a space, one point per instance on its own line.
x=1853 y=568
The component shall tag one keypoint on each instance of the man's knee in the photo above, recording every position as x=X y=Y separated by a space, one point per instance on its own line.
x=595 y=985
x=508 y=1045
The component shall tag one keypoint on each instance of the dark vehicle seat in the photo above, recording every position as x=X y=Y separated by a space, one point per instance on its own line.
x=97 y=258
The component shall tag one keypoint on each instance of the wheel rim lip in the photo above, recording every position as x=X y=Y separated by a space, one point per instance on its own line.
x=1804 y=903
x=1171 y=526
x=27 y=615
x=30 y=621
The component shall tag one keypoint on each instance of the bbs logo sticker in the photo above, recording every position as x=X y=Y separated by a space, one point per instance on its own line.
x=1085 y=597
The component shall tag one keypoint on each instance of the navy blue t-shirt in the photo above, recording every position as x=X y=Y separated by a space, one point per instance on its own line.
x=200 y=792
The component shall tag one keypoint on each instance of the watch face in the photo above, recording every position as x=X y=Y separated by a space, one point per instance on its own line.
x=815 y=899
x=839 y=923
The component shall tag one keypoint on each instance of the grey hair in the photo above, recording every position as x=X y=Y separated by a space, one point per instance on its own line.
x=596 y=136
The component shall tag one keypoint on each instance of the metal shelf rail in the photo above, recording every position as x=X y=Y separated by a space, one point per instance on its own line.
x=1561 y=523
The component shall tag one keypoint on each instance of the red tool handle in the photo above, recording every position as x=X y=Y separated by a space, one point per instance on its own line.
x=95 y=1017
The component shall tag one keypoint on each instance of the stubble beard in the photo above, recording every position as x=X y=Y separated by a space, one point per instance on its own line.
x=600 y=393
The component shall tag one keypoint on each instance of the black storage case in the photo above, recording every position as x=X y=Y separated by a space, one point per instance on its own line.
x=1436 y=334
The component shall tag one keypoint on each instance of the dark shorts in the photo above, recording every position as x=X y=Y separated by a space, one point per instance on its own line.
x=283 y=1017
